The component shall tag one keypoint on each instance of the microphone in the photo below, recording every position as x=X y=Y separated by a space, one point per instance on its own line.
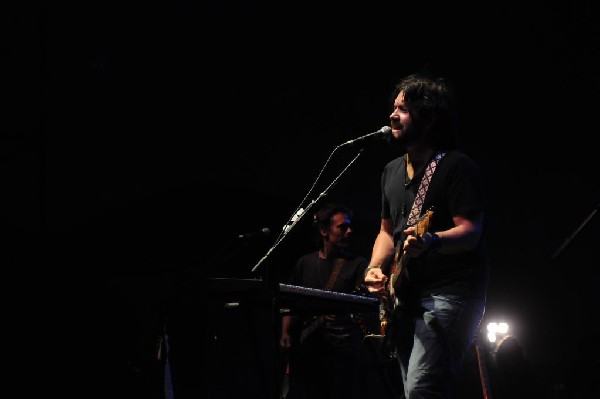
x=264 y=232
x=384 y=132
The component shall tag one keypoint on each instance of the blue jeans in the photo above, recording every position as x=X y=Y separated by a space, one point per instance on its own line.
x=432 y=343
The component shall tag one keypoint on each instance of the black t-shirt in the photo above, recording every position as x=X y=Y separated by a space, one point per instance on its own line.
x=313 y=272
x=456 y=188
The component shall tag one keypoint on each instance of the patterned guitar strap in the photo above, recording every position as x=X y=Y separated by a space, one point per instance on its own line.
x=415 y=211
x=413 y=217
x=339 y=262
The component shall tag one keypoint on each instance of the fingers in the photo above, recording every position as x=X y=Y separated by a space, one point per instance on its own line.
x=374 y=289
x=374 y=275
x=413 y=246
x=375 y=280
x=409 y=231
x=285 y=344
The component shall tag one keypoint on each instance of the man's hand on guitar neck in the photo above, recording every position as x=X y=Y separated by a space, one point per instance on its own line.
x=415 y=245
x=375 y=280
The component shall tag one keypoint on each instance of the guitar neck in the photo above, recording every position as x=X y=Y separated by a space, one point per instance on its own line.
x=399 y=262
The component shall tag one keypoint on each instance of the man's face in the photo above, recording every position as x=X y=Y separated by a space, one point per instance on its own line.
x=339 y=232
x=405 y=129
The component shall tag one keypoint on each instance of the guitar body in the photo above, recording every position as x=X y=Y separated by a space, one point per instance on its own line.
x=311 y=327
x=391 y=300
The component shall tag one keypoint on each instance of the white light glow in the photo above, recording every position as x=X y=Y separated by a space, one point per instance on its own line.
x=503 y=328
x=496 y=329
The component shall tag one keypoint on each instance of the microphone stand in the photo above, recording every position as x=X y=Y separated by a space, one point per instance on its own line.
x=566 y=243
x=272 y=285
x=300 y=212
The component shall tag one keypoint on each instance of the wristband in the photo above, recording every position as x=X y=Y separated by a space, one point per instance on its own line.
x=436 y=241
x=371 y=267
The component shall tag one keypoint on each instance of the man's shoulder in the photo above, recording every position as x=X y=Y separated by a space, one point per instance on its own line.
x=357 y=259
x=399 y=160
x=394 y=164
x=458 y=157
x=308 y=260
x=309 y=256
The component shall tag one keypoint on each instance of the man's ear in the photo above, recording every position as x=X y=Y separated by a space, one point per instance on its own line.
x=324 y=233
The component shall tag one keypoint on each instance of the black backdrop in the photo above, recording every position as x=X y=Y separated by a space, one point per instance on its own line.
x=141 y=140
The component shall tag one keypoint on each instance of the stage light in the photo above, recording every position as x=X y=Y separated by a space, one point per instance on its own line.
x=496 y=330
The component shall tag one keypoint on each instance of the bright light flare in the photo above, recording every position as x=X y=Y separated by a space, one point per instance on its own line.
x=495 y=329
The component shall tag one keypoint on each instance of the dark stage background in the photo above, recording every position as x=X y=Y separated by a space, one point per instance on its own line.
x=140 y=140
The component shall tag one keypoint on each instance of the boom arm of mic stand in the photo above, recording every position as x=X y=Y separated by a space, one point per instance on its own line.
x=310 y=205
x=566 y=243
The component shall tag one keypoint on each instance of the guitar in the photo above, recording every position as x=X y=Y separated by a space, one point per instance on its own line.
x=312 y=327
x=318 y=321
x=391 y=298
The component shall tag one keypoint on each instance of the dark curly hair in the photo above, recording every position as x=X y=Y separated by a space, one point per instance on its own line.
x=431 y=97
x=322 y=218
